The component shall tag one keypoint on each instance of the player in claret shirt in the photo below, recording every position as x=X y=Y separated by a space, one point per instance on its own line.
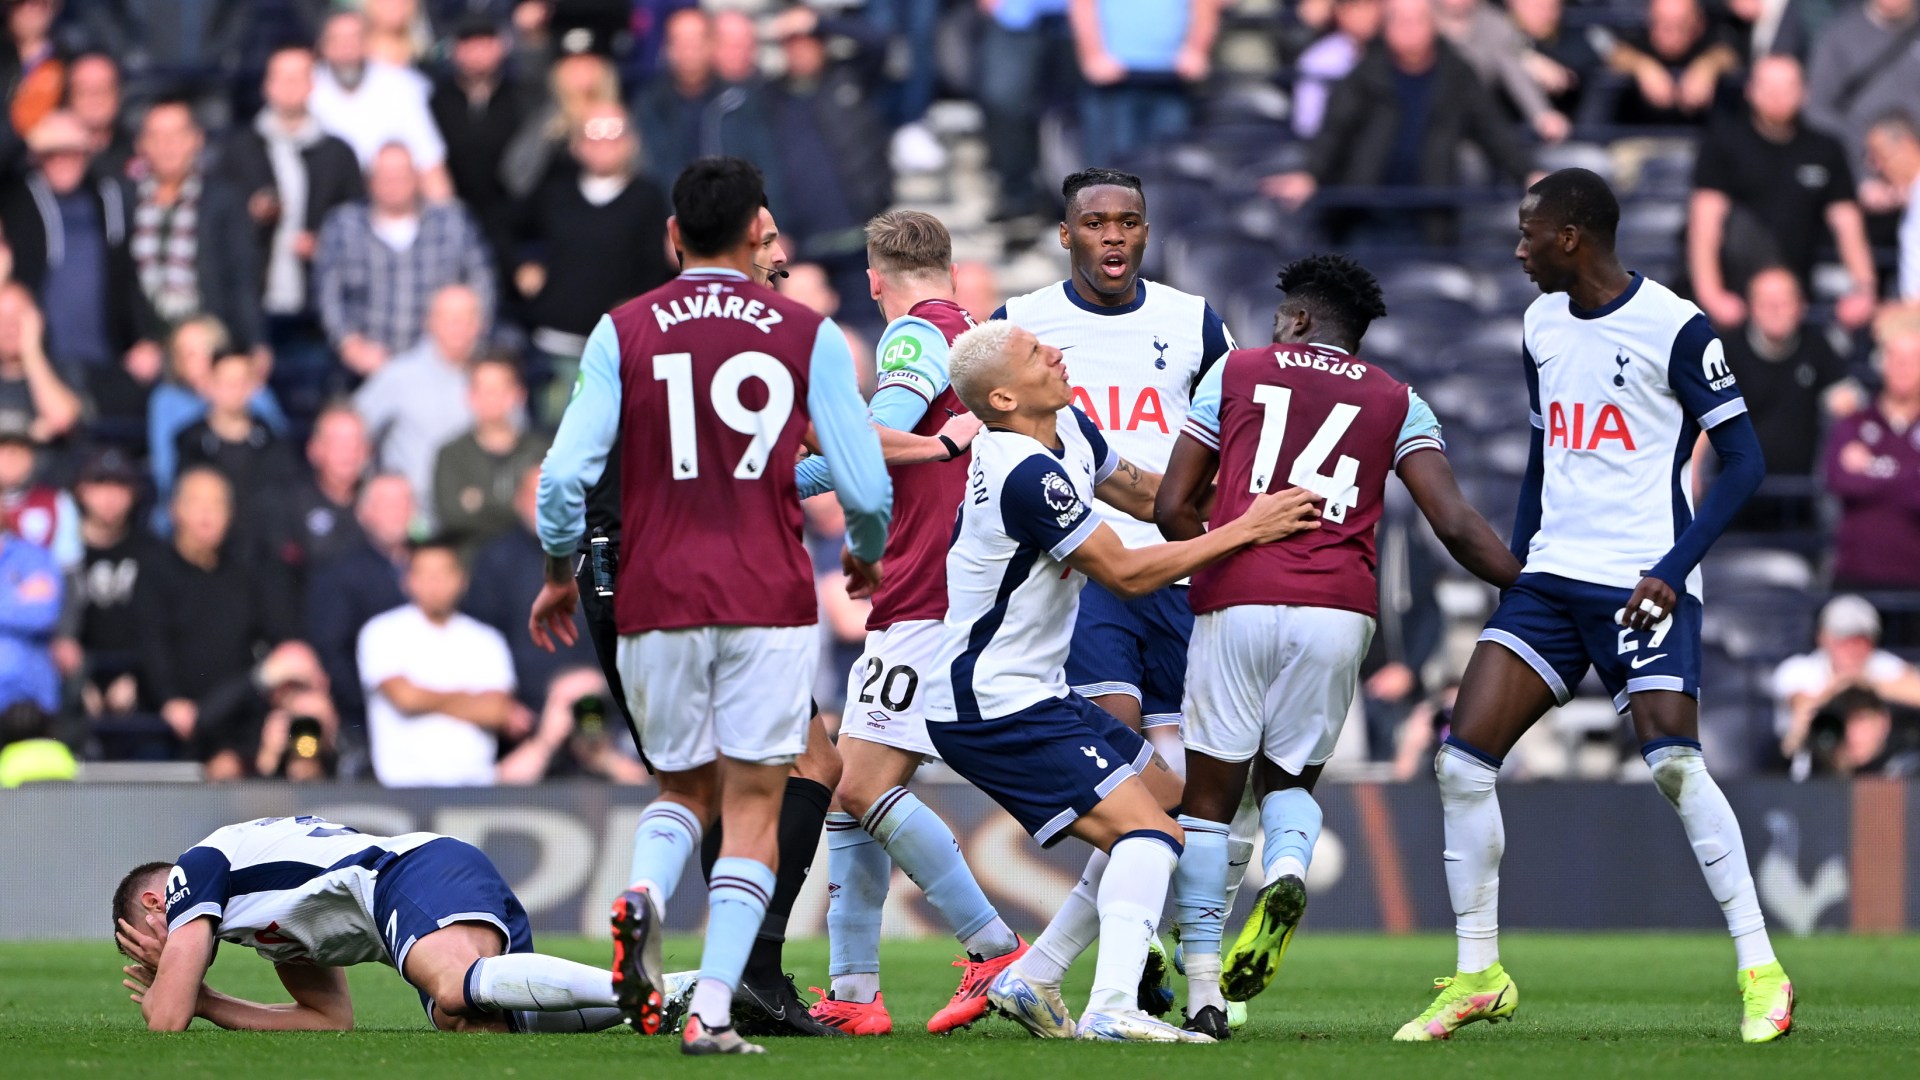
x=1280 y=630
x=1622 y=375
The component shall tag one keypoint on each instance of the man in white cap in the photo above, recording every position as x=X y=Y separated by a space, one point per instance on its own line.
x=1847 y=655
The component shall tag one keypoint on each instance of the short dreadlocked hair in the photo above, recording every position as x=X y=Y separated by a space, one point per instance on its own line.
x=1335 y=290
x=1075 y=183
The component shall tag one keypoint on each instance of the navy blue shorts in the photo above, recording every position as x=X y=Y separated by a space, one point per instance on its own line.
x=1136 y=647
x=440 y=883
x=1560 y=627
x=1046 y=764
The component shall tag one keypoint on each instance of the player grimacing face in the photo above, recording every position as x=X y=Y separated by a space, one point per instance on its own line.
x=1105 y=235
x=1036 y=376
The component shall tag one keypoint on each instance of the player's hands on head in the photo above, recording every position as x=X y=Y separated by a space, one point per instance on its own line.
x=1279 y=514
x=1653 y=600
x=552 y=617
x=863 y=577
x=962 y=428
x=142 y=939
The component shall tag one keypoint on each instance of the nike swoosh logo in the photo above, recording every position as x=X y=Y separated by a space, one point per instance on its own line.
x=1721 y=857
x=1449 y=858
x=1238 y=865
x=1644 y=661
x=1544 y=363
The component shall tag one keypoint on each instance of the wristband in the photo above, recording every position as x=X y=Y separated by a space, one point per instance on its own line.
x=953 y=448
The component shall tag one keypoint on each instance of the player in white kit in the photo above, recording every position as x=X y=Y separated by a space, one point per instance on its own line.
x=315 y=897
x=1623 y=376
x=1137 y=350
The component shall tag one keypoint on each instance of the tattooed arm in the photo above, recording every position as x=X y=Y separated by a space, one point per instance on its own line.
x=1130 y=490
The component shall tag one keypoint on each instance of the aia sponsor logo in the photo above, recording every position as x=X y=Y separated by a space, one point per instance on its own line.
x=1582 y=427
x=1146 y=410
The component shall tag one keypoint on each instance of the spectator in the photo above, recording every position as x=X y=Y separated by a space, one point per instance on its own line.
x=1562 y=61
x=477 y=473
x=594 y=238
x=577 y=84
x=914 y=24
x=31 y=70
x=479 y=111
x=372 y=104
x=69 y=232
x=1675 y=66
x=686 y=111
x=29 y=385
x=809 y=284
x=1864 y=66
x=594 y=750
x=1847 y=656
x=115 y=550
x=38 y=513
x=236 y=444
x=976 y=289
x=1793 y=382
x=1023 y=52
x=293 y=175
x=192 y=245
x=439 y=684
x=1490 y=43
x=182 y=400
x=1356 y=23
x=30 y=596
x=415 y=404
x=1893 y=148
x=1764 y=189
x=504 y=585
x=298 y=734
x=397 y=31
x=381 y=261
x=93 y=96
x=1873 y=468
x=833 y=146
x=1140 y=60
x=29 y=754
x=204 y=613
x=312 y=521
x=1757 y=28
x=1852 y=735
x=1400 y=120
x=361 y=581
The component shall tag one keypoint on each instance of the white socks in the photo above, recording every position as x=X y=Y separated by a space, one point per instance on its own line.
x=1681 y=773
x=1132 y=894
x=544 y=993
x=1073 y=928
x=1475 y=840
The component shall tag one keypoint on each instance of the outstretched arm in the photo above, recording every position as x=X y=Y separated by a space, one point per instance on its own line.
x=1134 y=572
x=1130 y=489
x=1467 y=536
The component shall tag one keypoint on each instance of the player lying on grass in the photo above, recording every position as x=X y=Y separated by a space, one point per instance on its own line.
x=315 y=898
x=1281 y=629
x=1000 y=711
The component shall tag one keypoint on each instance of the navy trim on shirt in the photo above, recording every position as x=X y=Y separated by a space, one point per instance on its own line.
x=1081 y=302
x=1610 y=306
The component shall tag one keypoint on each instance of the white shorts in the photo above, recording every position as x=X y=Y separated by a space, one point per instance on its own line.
x=886 y=691
x=1273 y=680
x=741 y=691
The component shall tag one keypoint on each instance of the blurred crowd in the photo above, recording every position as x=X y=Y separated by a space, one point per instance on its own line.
x=292 y=293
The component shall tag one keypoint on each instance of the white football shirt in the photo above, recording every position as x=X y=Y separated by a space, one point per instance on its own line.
x=432 y=749
x=1621 y=394
x=1011 y=598
x=1133 y=369
x=296 y=889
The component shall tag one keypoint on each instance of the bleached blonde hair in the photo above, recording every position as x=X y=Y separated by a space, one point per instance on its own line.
x=976 y=362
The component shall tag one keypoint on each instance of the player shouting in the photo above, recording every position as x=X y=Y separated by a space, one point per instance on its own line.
x=1621 y=375
x=1280 y=630
x=1138 y=349
x=315 y=898
x=877 y=822
x=710 y=380
x=1002 y=713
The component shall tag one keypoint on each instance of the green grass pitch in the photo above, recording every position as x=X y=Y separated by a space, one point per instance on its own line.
x=1591 y=1005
